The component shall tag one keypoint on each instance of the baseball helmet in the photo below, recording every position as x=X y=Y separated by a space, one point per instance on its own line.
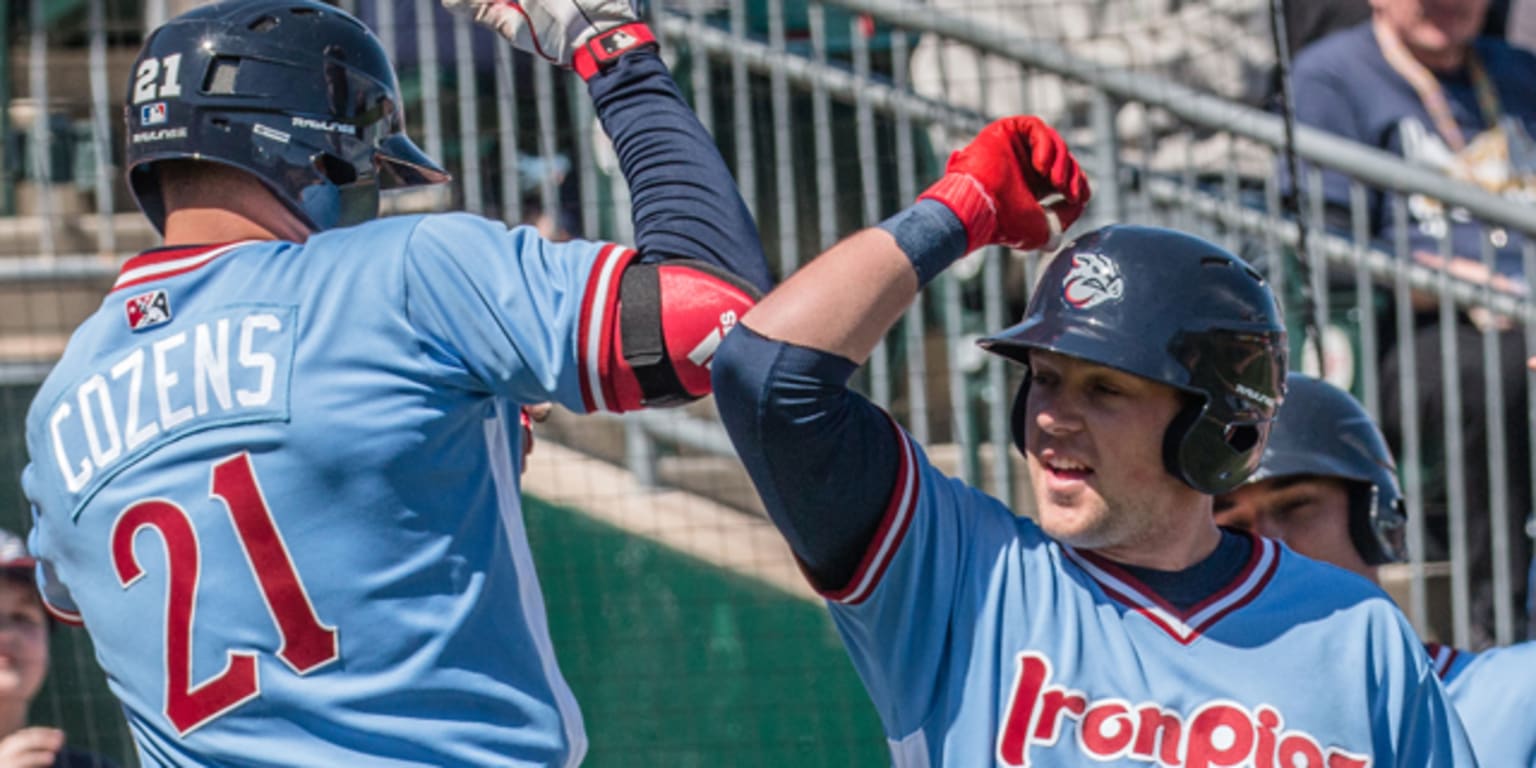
x=296 y=93
x=1175 y=309
x=1322 y=431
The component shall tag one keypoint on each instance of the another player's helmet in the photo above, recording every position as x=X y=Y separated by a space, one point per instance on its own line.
x=296 y=93
x=1322 y=431
x=1175 y=309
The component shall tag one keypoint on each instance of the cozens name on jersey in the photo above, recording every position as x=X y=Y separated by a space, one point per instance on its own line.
x=221 y=369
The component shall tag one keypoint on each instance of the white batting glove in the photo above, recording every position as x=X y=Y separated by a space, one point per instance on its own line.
x=576 y=34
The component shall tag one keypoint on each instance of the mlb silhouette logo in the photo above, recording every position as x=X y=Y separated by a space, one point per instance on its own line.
x=616 y=42
x=148 y=310
x=152 y=114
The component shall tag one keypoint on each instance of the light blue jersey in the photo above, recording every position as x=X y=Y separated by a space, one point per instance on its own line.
x=984 y=642
x=1494 y=692
x=328 y=432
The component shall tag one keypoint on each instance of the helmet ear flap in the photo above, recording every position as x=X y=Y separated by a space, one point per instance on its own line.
x=1210 y=456
x=1177 y=440
x=1376 y=523
x=1018 y=419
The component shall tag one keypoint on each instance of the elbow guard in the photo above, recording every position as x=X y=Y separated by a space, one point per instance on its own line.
x=671 y=316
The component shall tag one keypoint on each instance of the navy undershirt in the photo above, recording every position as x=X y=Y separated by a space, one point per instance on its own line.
x=1185 y=589
x=684 y=200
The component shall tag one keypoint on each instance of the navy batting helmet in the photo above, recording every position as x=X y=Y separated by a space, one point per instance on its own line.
x=1175 y=309
x=296 y=93
x=1323 y=432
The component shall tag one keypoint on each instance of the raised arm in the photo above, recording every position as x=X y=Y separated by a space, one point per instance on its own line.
x=823 y=458
x=699 y=263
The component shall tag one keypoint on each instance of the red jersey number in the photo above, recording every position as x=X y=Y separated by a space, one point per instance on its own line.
x=307 y=644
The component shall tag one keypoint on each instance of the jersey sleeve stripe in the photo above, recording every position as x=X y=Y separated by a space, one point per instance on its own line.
x=893 y=528
x=597 y=308
x=68 y=617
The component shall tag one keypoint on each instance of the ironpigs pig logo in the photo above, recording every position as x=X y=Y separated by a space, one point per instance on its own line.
x=1216 y=734
x=1092 y=281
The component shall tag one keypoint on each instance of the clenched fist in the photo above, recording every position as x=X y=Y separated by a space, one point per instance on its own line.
x=1015 y=184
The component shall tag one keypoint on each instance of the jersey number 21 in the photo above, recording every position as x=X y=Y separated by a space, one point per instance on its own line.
x=307 y=644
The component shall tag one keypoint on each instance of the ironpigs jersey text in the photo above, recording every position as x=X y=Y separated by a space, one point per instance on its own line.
x=326 y=432
x=1219 y=733
x=983 y=642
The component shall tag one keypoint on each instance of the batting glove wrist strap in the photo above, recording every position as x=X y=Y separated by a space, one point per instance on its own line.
x=602 y=50
x=976 y=209
x=931 y=236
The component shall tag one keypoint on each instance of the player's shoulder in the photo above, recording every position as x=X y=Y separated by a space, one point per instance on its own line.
x=1513 y=664
x=460 y=228
x=370 y=242
x=468 y=238
x=1328 y=583
x=401 y=233
x=942 y=489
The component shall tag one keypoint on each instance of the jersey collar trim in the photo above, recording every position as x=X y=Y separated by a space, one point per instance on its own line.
x=160 y=263
x=1183 y=626
x=1442 y=658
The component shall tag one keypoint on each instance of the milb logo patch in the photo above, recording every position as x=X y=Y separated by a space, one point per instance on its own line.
x=148 y=310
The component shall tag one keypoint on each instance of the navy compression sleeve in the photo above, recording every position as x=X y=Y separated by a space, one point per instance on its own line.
x=823 y=458
x=684 y=199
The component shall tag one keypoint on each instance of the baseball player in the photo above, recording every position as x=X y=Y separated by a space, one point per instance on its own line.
x=276 y=474
x=1327 y=488
x=1121 y=625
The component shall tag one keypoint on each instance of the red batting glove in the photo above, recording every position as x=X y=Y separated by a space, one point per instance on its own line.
x=1015 y=184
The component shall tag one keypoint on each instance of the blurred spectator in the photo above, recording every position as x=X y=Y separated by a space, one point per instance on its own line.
x=24 y=628
x=1417 y=81
x=1425 y=87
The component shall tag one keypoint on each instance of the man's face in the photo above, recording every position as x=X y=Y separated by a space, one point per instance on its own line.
x=1309 y=514
x=1433 y=26
x=1094 y=442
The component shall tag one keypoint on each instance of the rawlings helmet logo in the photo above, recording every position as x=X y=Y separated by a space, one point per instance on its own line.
x=1093 y=280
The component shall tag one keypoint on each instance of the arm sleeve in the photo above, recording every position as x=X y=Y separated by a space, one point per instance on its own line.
x=823 y=458
x=685 y=203
x=900 y=552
